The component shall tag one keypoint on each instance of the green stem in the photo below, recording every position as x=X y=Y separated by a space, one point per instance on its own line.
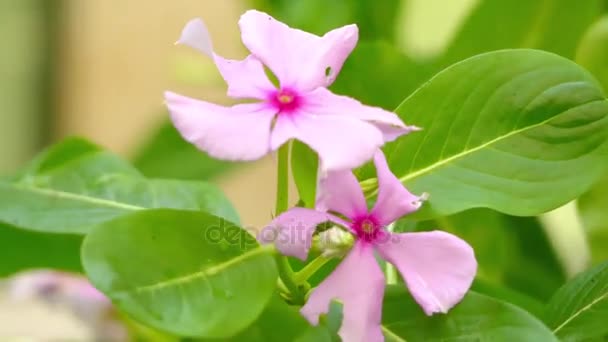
x=282 y=180
x=286 y=273
x=310 y=269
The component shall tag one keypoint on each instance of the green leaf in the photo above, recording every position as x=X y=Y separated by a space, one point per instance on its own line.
x=78 y=151
x=304 y=167
x=167 y=155
x=592 y=52
x=65 y=203
x=21 y=249
x=504 y=130
x=552 y=25
x=378 y=74
x=188 y=273
x=278 y=323
x=476 y=318
x=75 y=185
x=578 y=311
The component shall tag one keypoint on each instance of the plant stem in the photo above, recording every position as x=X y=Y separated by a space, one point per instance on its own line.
x=286 y=273
x=282 y=180
x=310 y=269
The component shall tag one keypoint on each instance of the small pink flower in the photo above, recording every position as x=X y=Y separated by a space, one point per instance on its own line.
x=344 y=132
x=438 y=268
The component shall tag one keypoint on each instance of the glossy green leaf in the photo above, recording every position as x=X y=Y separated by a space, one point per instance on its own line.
x=592 y=52
x=551 y=25
x=476 y=318
x=188 y=273
x=22 y=249
x=378 y=74
x=518 y=131
x=304 y=167
x=167 y=155
x=579 y=310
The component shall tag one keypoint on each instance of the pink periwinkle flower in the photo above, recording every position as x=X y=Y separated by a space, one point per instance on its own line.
x=438 y=268
x=344 y=132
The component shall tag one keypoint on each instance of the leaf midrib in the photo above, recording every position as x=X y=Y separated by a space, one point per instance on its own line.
x=581 y=311
x=77 y=197
x=467 y=152
x=200 y=274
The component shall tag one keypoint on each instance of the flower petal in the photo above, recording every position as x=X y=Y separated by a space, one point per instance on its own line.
x=299 y=59
x=323 y=101
x=438 y=268
x=342 y=143
x=339 y=191
x=394 y=201
x=241 y=132
x=358 y=283
x=245 y=78
x=292 y=231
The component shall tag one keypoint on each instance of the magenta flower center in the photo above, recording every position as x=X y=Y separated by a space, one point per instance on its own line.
x=366 y=227
x=285 y=100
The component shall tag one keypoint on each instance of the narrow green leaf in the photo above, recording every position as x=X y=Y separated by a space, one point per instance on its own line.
x=503 y=130
x=187 y=273
x=476 y=318
x=578 y=311
x=304 y=167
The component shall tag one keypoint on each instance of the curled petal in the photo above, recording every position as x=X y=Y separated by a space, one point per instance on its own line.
x=299 y=59
x=438 y=268
x=358 y=283
x=323 y=102
x=292 y=231
x=241 y=132
x=245 y=78
x=342 y=143
x=394 y=201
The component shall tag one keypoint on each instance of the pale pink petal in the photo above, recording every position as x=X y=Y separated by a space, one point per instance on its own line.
x=394 y=201
x=241 y=132
x=438 y=268
x=292 y=231
x=342 y=143
x=245 y=78
x=299 y=59
x=358 y=283
x=339 y=191
x=324 y=102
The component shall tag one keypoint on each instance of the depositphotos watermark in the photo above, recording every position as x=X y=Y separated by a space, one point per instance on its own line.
x=294 y=233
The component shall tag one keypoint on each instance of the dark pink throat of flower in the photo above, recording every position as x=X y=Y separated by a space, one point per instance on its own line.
x=367 y=228
x=285 y=100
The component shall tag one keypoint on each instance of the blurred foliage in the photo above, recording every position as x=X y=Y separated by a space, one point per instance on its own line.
x=167 y=155
x=376 y=19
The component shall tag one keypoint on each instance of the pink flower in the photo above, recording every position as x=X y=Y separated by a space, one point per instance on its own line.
x=341 y=130
x=438 y=268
